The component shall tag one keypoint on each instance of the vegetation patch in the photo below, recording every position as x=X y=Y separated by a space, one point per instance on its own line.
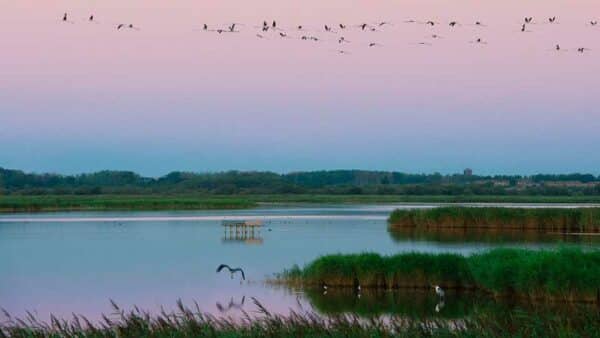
x=564 y=220
x=566 y=274
x=17 y=203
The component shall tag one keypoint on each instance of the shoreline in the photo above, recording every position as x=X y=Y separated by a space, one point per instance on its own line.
x=59 y=203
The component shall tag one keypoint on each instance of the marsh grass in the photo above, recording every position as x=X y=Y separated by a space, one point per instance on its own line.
x=191 y=322
x=567 y=274
x=562 y=220
x=117 y=202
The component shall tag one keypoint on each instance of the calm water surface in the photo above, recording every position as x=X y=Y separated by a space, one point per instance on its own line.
x=62 y=263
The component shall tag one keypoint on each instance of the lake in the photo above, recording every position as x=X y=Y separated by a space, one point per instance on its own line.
x=75 y=262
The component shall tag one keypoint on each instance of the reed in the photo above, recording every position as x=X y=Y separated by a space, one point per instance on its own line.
x=116 y=202
x=191 y=322
x=565 y=274
x=539 y=219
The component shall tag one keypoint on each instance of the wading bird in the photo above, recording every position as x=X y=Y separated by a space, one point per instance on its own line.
x=231 y=271
x=439 y=292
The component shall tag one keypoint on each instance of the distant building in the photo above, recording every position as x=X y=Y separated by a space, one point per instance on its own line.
x=468 y=172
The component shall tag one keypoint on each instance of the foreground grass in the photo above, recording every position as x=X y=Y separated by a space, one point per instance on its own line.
x=193 y=323
x=28 y=203
x=541 y=219
x=564 y=274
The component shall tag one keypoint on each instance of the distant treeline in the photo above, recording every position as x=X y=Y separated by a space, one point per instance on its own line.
x=314 y=182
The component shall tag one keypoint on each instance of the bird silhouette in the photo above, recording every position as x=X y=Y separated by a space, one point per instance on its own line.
x=91 y=18
x=430 y=23
x=523 y=28
x=231 y=270
x=342 y=26
x=232 y=27
x=439 y=292
x=552 y=19
x=582 y=49
x=593 y=22
x=64 y=17
x=274 y=24
x=528 y=19
x=453 y=23
x=120 y=26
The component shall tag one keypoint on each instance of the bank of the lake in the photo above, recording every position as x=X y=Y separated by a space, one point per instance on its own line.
x=567 y=274
x=562 y=220
x=16 y=203
x=44 y=203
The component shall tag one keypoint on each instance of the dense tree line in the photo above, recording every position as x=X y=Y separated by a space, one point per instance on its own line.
x=316 y=182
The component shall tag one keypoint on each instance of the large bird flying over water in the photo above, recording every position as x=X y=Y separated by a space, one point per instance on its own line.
x=231 y=270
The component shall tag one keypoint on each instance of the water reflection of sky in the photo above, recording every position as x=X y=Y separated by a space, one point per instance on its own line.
x=76 y=262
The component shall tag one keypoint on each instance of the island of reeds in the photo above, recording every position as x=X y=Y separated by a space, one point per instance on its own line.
x=558 y=220
x=567 y=274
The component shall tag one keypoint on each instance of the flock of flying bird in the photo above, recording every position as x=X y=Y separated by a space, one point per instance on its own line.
x=300 y=32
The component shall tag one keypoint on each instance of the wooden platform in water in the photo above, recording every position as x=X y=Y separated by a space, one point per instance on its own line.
x=242 y=224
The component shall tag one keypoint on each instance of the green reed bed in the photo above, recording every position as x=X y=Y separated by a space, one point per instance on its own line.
x=566 y=274
x=188 y=322
x=115 y=202
x=541 y=219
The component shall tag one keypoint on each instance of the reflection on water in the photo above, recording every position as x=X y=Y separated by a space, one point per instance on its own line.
x=458 y=235
x=419 y=303
x=231 y=305
x=409 y=303
x=242 y=237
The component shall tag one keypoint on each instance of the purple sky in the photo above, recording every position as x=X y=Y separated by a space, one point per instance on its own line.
x=83 y=96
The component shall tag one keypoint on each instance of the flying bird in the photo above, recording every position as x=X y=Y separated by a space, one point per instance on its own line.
x=453 y=23
x=120 y=26
x=552 y=19
x=430 y=23
x=582 y=49
x=282 y=34
x=91 y=18
x=231 y=270
x=64 y=17
x=373 y=44
x=594 y=22
x=205 y=27
x=528 y=19
x=363 y=26
x=274 y=24
x=232 y=27
x=342 y=26
x=327 y=28
x=523 y=28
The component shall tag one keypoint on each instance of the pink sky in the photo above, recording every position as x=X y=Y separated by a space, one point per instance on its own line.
x=82 y=96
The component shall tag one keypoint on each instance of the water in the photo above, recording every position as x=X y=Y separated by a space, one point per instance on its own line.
x=65 y=263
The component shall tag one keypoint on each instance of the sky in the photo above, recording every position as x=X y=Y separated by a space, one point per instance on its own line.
x=80 y=96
